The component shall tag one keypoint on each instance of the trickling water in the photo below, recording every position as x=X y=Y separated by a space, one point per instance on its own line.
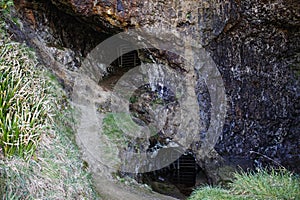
x=156 y=77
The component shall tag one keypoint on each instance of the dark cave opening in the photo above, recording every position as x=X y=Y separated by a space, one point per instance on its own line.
x=125 y=61
x=178 y=179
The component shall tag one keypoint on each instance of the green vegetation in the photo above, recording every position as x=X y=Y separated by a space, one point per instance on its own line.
x=55 y=172
x=120 y=130
x=38 y=156
x=5 y=7
x=133 y=99
x=263 y=185
x=116 y=125
x=24 y=100
x=110 y=127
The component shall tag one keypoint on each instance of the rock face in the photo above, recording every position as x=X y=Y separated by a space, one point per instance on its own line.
x=259 y=60
x=254 y=43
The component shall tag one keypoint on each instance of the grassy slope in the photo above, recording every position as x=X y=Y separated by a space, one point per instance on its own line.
x=55 y=171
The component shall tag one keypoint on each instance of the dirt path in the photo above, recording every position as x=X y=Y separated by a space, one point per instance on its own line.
x=96 y=148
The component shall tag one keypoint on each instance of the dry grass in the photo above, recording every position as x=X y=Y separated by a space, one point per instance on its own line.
x=52 y=168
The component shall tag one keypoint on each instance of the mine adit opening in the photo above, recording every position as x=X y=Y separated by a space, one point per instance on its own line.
x=178 y=179
x=125 y=61
x=182 y=173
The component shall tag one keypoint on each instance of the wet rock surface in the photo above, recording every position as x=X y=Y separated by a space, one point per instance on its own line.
x=259 y=60
x=255 y=45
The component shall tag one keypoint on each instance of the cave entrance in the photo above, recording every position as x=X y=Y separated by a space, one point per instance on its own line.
x=185 y=169
x=178 y=179
x=124 y=62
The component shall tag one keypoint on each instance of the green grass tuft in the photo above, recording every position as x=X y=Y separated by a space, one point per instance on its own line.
x=212 y=193
x=110 y=128
x=276 y=184
x=263 y=185
x=24 y=100
x=118 y=127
